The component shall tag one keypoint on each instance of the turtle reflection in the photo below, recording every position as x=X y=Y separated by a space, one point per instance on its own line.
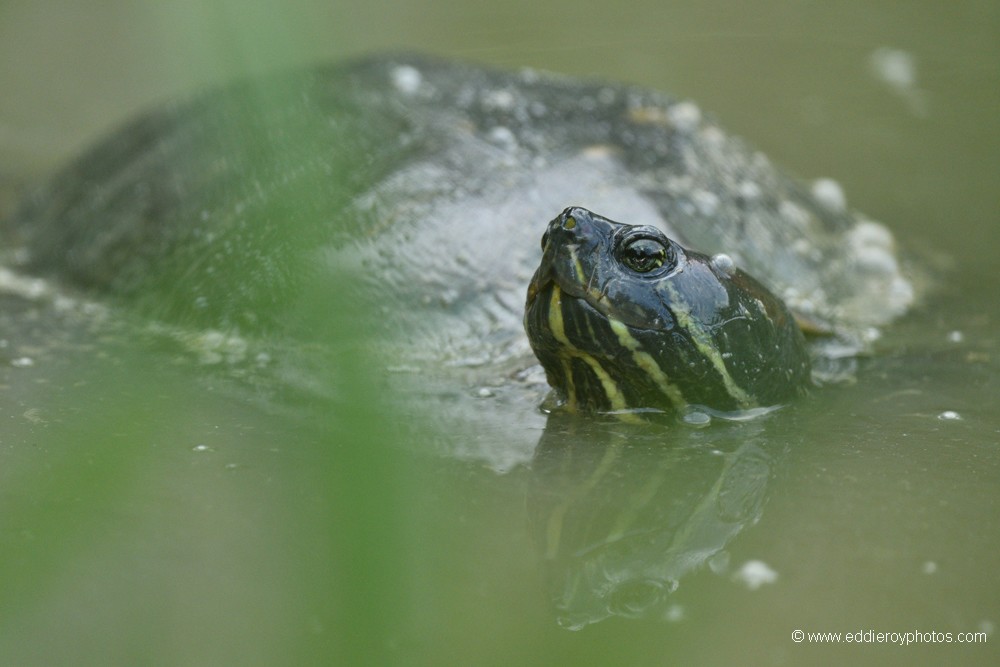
x=620 y=517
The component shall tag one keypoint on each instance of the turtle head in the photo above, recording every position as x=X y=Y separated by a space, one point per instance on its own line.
x=623 y=319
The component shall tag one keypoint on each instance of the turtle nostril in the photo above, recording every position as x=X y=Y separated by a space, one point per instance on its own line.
x=574 y=216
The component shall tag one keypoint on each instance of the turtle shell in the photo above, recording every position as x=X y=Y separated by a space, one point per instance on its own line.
x=426 y=185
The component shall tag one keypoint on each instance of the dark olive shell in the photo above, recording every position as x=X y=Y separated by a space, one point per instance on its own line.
x=420 y=187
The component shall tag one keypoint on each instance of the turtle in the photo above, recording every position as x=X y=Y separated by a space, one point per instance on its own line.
x=422 y=186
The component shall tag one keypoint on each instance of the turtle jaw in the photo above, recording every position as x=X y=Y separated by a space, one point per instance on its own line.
x=569 y=367
x=548 y=276
x=581 y=350
x=561 y=268
x=539 y=283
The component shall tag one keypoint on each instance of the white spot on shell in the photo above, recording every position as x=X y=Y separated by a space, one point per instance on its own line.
x=501 y=100
x=406 y=79
x=749 y=190
x=706 y=201
x=829 y=193
x=872 y=247
x=901 y=295
x=529 y=75
x=31 y=289
x=804 y=248
x=870 y=233
x=685 y=116
x=793 y=213
x=713 y=137
x=870 y=335
x=503 y=137
x=876 y=260
x=760 y=161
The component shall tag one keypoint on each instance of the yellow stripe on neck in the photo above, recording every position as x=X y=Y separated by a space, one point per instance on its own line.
x=646 y=362
x=568 y=351
x=705 y=345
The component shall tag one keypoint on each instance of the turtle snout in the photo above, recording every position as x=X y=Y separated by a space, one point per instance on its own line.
x=573 y=225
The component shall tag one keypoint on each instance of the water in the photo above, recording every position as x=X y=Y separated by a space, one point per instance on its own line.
x=149 y=515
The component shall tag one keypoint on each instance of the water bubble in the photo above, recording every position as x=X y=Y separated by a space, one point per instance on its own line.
x=898 y=70
x=894 y=67
x=956 y=336
x=674 y=613
x=724 y=264
x=949 y=415
x=756 y=573
x=22 y=362
x=929 y=567
x=696 y=417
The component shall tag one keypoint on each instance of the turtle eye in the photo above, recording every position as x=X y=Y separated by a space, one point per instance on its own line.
x=643 y=254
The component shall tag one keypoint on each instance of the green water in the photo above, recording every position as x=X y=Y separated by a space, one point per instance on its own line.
x=148 y=516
